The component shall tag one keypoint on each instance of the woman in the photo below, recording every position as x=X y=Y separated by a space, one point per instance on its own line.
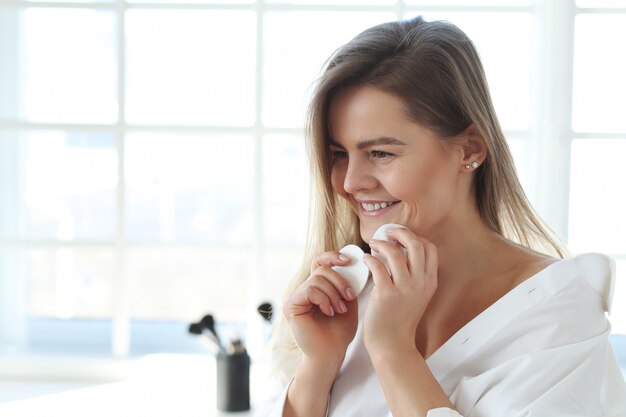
x=475 y=319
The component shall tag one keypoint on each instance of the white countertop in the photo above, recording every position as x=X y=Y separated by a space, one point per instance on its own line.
x=136 y=398
x=160 y=385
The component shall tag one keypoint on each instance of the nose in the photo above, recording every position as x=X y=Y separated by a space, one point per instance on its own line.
x=358 y=176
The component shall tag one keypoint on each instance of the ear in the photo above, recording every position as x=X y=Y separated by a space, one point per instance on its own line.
x=473 y=148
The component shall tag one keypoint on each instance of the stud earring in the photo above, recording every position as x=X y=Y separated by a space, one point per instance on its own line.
x=473 y=165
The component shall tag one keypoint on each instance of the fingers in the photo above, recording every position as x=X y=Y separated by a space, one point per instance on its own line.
x=329 y=259
x=325 y=289
x=333 y=286
x=415 y=251
x=317 y=297
x=393 y=257
x=380 y=275
x=421 y=256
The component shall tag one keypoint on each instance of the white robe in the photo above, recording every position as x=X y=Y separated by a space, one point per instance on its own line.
x=540 y=350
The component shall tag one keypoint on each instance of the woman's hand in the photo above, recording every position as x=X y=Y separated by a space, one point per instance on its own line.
x=322 y=312
x=398 y=301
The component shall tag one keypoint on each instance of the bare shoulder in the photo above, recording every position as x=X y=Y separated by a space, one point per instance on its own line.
x=526 y=264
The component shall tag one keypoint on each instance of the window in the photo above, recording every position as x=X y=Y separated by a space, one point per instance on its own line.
x=597 y=199
x=152 y=163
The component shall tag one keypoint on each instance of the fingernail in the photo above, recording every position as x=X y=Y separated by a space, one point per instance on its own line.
x=332 y=311
x=342 y=307
x=343 y=257
x=350 y=295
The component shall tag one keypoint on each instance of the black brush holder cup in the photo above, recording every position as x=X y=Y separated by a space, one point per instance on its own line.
x=233 y=381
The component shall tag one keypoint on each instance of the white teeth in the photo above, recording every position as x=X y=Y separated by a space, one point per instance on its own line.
x=376 y=206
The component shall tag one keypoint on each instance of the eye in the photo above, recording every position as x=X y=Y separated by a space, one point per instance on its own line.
x=380 y=154
x=338 y=154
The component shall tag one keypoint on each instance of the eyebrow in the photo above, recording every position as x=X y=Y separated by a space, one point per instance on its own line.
x=384 y=140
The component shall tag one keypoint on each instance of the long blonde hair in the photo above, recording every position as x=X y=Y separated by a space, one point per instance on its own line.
x=435 y=69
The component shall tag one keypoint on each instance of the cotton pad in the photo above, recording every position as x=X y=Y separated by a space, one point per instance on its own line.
x=356 y=272
x=381 y=234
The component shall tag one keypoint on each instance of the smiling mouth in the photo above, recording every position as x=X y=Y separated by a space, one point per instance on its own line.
x=372 y=207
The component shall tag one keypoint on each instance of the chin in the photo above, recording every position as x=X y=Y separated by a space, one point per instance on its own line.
x=367 y=232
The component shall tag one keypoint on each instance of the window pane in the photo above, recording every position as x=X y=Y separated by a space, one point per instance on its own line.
x=471 y=2
x=150 y=336
x=11 y=178
x=185 y=284
x=69 y=66
x=59 y=185
x=601 y=3
x=285 y=189
x=10 y=28
x=503 y=41
x=597 y=196
x=73 y=1
x=80 y=337
x=333 y=2
x=295 y=49
x=13 y=297
x=69 y=283
x=280 y=267
x=191 y=67
x=194 y=1
x=190 y=188
x=599 y=68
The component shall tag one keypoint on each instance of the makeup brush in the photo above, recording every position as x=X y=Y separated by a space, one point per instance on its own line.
x=208 y=322
x=265 y=310
x=195 y=328
x=207 y=339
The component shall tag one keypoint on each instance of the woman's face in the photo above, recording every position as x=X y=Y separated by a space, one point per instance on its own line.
x=389 y=168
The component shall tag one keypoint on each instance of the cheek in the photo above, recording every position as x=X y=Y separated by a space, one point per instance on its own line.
x=424 y=197
x=397 y=185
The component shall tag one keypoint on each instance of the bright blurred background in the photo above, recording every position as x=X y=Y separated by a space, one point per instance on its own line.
x=152 y=165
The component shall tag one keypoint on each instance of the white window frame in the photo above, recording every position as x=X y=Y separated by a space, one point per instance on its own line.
x=550 y=132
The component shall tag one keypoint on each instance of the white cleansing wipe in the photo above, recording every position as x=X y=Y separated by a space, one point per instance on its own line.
x=356 y=272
